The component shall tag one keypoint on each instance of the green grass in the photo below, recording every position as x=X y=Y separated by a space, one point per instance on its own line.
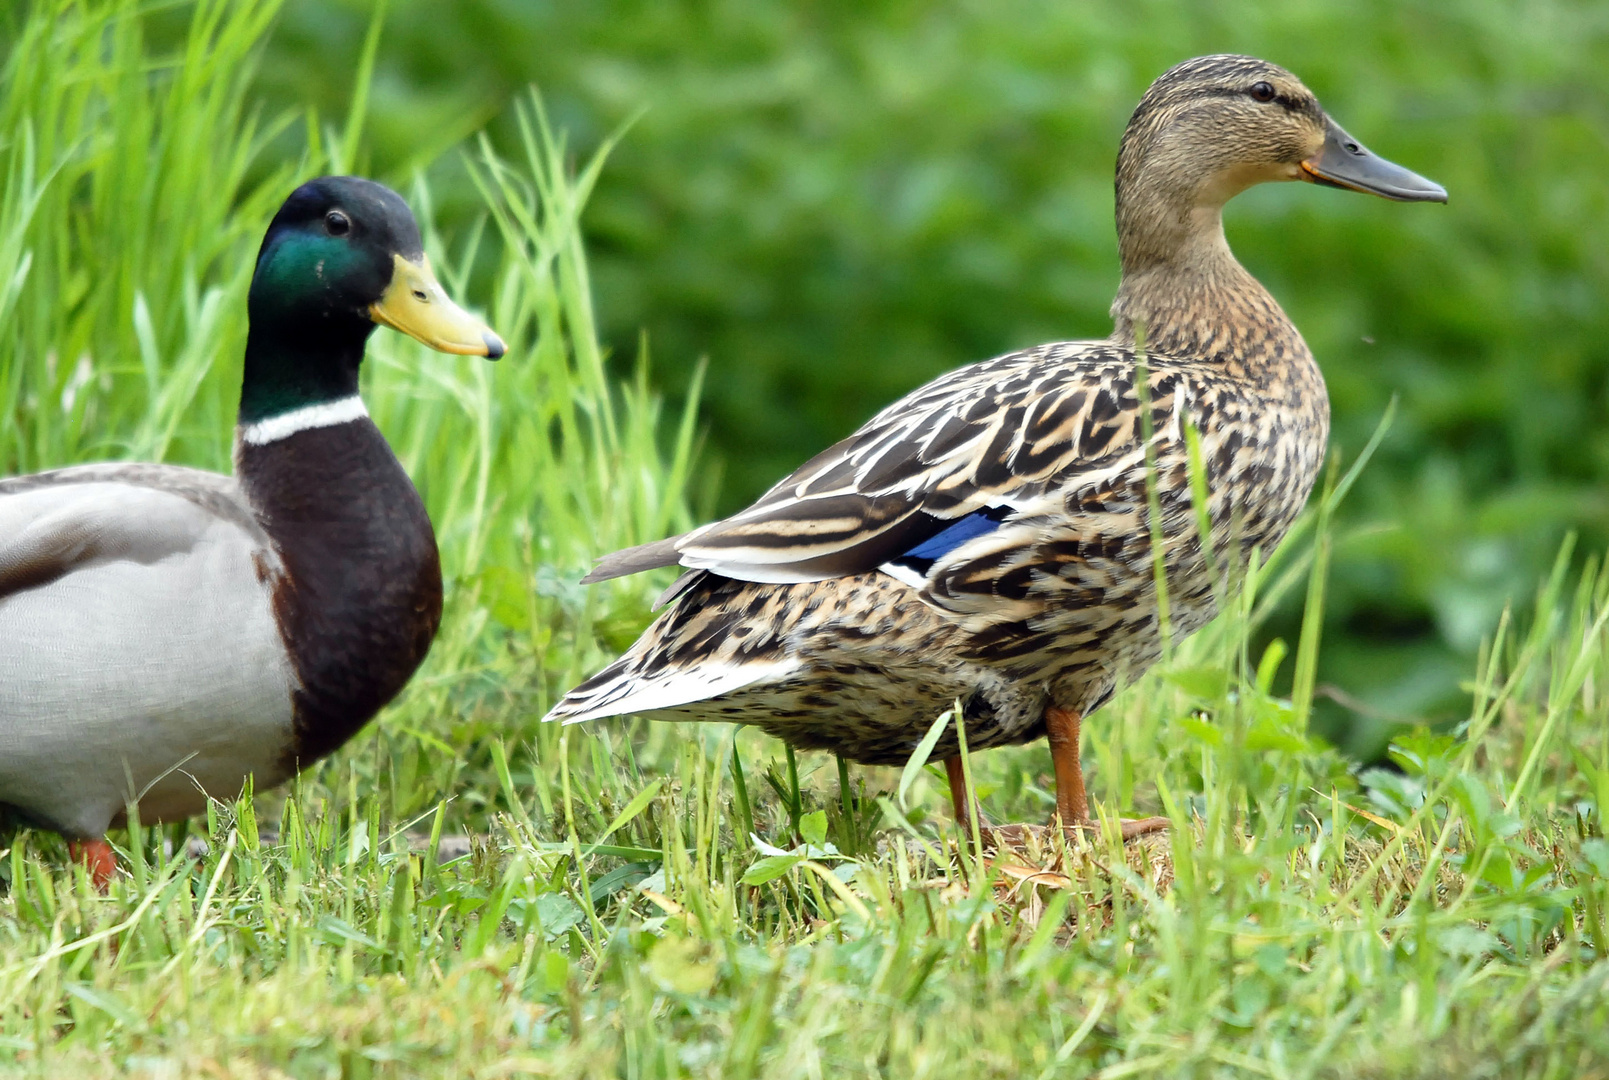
x=655 y=901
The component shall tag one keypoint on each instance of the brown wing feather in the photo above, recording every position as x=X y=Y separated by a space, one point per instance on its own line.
x=993 y=434
x=42 y=557
x=634 y=560
x=999 y=433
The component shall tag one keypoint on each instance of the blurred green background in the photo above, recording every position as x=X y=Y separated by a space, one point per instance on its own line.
x=835 y=202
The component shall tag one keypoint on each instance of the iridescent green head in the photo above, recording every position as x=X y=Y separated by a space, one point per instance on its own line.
x=342 y=255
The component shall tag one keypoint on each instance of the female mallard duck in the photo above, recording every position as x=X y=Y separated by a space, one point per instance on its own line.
x=986 y=538
x=166 y=632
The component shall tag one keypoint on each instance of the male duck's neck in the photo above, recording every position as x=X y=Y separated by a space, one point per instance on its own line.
x=361 y=594
x=294 y=381
x=1184 y=293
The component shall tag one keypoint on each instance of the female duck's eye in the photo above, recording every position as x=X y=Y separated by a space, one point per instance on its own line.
x=1262 y=91
x=337 y=223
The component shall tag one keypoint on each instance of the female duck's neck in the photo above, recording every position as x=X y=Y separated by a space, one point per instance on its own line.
x=1184 y=294
x=293 y=380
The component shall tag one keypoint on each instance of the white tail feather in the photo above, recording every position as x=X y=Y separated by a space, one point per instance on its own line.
x=671 y=690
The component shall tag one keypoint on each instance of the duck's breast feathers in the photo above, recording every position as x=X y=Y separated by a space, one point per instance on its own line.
x=55 y=523
x=939 y=469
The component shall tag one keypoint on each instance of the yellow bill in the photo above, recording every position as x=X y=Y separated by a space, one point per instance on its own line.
x=416 y=304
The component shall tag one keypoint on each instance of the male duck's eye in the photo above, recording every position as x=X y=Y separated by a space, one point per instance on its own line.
x=1262 y=91
x=337 y=223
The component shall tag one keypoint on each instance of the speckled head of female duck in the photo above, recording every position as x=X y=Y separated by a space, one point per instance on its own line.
x=165 y=632
x=988 y=538
x=1204 y=132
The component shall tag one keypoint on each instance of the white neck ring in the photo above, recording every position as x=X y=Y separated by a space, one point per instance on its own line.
x=283 y=426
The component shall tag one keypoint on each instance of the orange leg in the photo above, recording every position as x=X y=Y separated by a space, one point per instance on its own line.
x=95 y=856
x=1062 y=728
x=961 y=799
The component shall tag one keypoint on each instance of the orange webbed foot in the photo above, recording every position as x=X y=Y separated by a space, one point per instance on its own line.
x=96 y=857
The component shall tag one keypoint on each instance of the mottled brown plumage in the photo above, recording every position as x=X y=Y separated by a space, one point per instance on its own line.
x=988 y=537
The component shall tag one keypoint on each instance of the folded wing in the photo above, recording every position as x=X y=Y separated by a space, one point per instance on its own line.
x=52 y=524
x=987 y=446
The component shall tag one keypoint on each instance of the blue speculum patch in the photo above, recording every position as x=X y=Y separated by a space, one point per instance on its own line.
x=922 y=557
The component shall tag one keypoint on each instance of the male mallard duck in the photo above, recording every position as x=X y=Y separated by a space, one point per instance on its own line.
x=166 y=632
x=986 y=538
